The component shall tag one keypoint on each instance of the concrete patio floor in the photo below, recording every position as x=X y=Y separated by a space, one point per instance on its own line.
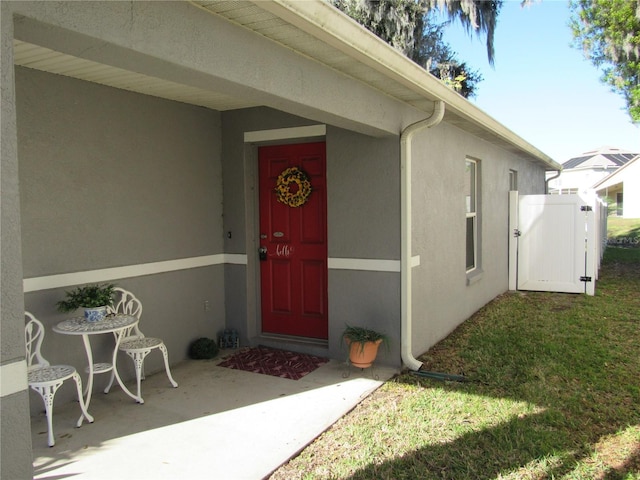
x=218 y=424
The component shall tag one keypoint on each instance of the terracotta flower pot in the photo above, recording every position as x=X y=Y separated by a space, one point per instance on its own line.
x=363 y=356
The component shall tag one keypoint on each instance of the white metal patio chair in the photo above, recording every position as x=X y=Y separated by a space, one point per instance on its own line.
x=134 y=343
x=45 y=378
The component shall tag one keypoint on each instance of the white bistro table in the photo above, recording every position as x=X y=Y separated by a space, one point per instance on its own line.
x=116 y=324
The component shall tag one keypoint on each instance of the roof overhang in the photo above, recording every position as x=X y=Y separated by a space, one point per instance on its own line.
x=319 y=32
x=616 y=177
x=388 y=70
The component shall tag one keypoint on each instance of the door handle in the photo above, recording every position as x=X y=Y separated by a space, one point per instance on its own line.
x=262 y=253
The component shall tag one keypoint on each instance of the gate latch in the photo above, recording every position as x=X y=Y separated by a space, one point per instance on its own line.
x=516 y=232
x=585 y=279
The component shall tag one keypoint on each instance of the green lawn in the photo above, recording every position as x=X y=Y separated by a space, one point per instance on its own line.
x=625 y=231
x=553 y=391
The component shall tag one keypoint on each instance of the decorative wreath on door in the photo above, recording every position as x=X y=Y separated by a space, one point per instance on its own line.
x=297 y=196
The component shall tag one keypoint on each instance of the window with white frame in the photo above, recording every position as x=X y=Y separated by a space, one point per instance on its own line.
x=471 y=196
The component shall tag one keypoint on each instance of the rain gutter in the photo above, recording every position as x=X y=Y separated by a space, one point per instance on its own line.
x=405 y=220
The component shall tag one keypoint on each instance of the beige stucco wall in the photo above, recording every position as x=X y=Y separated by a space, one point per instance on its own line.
x=631 y=207
x=628 y=182
x=579 y=180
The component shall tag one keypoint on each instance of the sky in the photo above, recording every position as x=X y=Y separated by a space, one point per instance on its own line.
x=541 y=87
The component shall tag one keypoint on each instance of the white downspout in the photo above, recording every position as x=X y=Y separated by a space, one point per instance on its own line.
x=405 y=227
x=546 y=183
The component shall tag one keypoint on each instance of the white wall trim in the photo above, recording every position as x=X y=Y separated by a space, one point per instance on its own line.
x=129 y=271
x=13 y=378
x=235 y=258
x=370 y=265
x=285 y=133
x=35 y=284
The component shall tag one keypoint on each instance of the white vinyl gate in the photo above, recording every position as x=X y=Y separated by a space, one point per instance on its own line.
x=555 y=243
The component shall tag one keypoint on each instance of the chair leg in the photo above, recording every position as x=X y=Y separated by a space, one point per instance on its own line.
x=138 y=360
x=49 y=410
x=108 y=387
x=83 y=407
x=165 y=354
x=48 y=393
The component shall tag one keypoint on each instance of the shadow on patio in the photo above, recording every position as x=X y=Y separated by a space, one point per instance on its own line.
x=219 y=423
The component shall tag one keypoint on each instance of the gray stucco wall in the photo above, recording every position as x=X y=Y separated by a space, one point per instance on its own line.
x=15 y=434
x=363 y=185
x=442 y=296
x=110 y=178
x=133 y=174
x=15 y=447
x=363 y=195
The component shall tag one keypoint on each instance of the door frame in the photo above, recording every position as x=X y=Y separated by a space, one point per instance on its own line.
x=252 y=141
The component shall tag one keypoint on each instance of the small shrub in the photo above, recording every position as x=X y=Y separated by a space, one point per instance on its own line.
x=89 y=296
x=203 y=348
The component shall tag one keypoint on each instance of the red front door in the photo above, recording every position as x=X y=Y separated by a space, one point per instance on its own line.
x=293 y=240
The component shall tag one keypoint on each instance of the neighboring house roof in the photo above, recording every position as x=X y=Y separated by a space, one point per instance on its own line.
x=603 y=157
x=318 y=31
x=617 y=176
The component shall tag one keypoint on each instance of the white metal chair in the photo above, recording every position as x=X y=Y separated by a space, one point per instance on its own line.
x=134 y=343
x=45 y=378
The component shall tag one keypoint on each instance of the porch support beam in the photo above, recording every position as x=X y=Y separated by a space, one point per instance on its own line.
x=177 y=42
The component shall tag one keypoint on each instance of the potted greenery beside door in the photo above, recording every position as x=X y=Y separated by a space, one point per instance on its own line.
x=363 y=345
x=93 y=298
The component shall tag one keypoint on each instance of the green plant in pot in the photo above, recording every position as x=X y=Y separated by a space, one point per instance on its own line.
x=363 y=345
x=203 y=349
x=93 y=298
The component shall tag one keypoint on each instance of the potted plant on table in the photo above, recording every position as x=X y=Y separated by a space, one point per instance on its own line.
x=363 y=345
x=93 y=298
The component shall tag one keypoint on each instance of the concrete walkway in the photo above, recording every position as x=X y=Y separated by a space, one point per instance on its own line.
x=218 y=424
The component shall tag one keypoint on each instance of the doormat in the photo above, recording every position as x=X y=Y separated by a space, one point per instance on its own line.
x=274 y=362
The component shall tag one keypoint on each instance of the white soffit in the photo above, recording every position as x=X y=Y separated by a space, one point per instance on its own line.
x=47 y=60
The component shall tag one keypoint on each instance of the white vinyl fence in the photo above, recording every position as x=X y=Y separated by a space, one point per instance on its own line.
x=556 y=243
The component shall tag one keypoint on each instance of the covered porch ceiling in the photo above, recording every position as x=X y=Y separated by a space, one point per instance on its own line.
x=317 y=31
